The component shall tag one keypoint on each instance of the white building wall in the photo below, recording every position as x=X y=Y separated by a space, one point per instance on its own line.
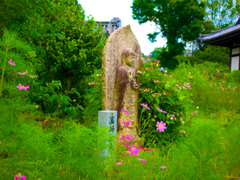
x=235 y=63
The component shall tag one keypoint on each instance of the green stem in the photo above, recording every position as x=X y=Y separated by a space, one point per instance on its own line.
x=3 y=71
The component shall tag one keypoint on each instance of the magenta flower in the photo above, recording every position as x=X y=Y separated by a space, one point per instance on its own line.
x=196 y=112
x=123 y=111
x=119 y=163
x=182 y=131
x=163 y=167
x=161 y=110
x=125 y=143
x=144 y=106
x=141 y=159
x=126 y=123
x=187 y=85
x=20 y=86
x=125 y=136
x=134 y=150
x=19 y=177
x=161 y=126
x=12 y=63
x=25 y=88
x=23 y=73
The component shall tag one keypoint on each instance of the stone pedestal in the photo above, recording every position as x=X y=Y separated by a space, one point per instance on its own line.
x=108 y=118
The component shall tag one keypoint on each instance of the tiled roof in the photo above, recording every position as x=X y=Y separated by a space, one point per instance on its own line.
x=221 y=32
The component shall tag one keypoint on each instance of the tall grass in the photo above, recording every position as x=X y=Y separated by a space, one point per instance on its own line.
x=66 y=150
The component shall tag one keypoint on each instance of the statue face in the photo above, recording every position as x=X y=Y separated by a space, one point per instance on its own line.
x=130 y=59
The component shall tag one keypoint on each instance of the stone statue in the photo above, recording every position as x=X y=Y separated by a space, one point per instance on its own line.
x=120 y=90
x=127 y=94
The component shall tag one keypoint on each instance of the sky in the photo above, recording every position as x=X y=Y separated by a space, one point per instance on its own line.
x=105 y=10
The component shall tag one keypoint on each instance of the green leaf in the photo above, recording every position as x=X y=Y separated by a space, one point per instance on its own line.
x=171 y=100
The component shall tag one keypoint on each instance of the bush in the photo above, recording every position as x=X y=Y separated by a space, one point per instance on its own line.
x=157 y=93
x=92 y=99
x=234 y=77
x=213 y=54
x=51 y=99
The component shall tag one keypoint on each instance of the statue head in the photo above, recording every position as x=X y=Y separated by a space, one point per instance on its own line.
x=128 y=56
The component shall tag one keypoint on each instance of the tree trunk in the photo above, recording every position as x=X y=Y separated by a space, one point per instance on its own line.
x=69 y=82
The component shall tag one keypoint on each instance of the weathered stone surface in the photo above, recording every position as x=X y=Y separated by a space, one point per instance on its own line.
x=121 y=58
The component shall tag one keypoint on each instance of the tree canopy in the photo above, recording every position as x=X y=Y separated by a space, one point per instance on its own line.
x=222 y=13
x=179 y=21
x=68 y=45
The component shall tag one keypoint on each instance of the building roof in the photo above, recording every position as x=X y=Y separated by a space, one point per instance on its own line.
x=114 y=21
x=223 y=37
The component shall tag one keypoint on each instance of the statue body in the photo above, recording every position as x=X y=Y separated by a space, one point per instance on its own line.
x=127 y=94
x=120 y=91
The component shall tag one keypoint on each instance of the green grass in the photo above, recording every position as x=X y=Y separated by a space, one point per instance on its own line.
x=69 y=150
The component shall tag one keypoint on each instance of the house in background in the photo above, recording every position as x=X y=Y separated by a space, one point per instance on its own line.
x=227 y=37
x=110 y=26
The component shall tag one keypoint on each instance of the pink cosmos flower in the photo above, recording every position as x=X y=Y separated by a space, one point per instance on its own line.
x=126 y=123
x=172 y=116
x=141 y=159
x=182 y=131
x=23 y=73
x=20 y=86
x=161 y=110
x=161 y=126
x=187 y=85
x=196 y=112
x=163 y=167
x=123 y=111
x=145 y=149
x=19 y=177
x=133 y=150
x=12 y=63
x=125 y=136
x=119 y=163
x=144 y=106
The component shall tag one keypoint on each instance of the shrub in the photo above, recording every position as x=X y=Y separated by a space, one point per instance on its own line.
x=92 y=99
x=51 y=99
x=158 y=92
x=234 y=77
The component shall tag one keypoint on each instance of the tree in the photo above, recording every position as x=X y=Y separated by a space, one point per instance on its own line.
x=13 y=13
x=222 y=13
x=155 y=52
x=179 y=21
x=66 y=43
